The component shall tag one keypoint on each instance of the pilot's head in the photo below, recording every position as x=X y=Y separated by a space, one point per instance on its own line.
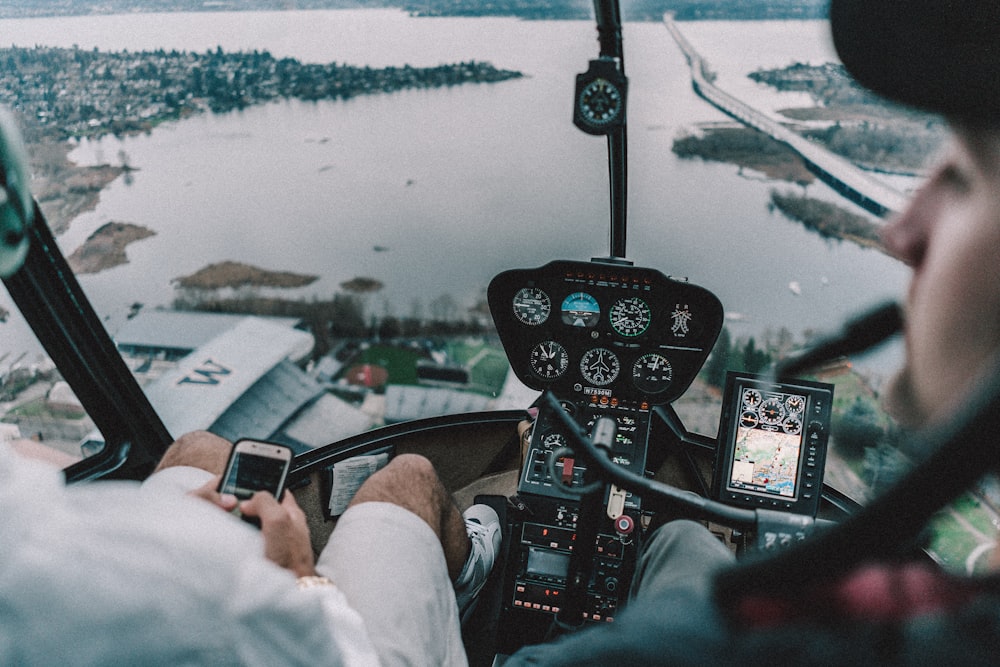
x=941 y=56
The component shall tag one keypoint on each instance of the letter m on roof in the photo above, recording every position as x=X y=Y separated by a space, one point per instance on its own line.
x=209 y=372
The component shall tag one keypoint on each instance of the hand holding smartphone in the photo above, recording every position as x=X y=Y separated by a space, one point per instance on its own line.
x=254 y=466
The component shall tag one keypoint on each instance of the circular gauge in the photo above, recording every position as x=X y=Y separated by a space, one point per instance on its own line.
x=600 y=366
x=554 y=441
x=795 y=404
x=549 y=360
x=601 y=102
x=749 y=419
x=630 y=317
x=652 y=373
x=792 y=426
x=771 y=411
x=751 y=398
x=580 y=309
x=532 y=306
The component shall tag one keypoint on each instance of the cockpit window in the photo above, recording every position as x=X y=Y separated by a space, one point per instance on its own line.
x=287 y=220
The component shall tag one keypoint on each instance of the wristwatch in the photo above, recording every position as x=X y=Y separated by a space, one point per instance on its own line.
x=312 y=581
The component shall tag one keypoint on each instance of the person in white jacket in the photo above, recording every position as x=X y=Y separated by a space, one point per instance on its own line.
x=123 y=573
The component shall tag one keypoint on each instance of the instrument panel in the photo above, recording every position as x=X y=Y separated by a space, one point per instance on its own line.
x=610 y=341
x=604 y=333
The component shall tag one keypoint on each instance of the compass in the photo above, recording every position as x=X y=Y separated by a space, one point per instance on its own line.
x=600 y=366
x=600 y=97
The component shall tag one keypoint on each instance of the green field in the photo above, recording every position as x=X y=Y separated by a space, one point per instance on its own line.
x=487 y=364
x=955 y=535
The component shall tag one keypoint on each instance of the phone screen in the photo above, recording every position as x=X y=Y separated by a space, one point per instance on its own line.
x=256 y=466
x=249 y=473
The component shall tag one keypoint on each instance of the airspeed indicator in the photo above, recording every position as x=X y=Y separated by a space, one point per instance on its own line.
x=532 y=306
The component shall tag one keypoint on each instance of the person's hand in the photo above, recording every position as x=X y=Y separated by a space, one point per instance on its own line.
x=209 y=491
x=524 y=432
x=286 y=534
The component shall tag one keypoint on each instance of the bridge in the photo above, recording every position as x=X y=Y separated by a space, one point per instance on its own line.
x=840 y=174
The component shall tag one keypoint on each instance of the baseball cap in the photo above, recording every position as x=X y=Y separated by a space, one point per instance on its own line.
x=938 y=55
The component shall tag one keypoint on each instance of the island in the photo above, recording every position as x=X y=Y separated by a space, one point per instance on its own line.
x=105 y=248
x=236 y=274
x=870 y=132
x=66 y=94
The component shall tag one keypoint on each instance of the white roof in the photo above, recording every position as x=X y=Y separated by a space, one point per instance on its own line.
x=406 y=402
x=205 y=383
x=181 y=329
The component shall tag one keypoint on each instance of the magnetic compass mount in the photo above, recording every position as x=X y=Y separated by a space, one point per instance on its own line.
x=600 y=97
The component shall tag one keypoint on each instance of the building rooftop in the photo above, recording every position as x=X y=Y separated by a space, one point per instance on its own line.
x=178 y=332
x=206 y=383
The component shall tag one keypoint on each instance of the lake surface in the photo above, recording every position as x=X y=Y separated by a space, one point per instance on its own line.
x=459 y=183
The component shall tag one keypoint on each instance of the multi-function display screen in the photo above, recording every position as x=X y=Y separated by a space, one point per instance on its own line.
x=768 y=443
x=772 y=443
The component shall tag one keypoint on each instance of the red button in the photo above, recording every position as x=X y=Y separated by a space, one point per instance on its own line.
x=567 y=471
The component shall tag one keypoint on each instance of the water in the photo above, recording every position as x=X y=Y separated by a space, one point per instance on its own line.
x=458 y=183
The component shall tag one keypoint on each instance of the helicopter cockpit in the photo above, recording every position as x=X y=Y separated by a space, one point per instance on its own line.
x=603 y=351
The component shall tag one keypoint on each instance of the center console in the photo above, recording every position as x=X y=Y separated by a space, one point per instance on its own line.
x=608 y=341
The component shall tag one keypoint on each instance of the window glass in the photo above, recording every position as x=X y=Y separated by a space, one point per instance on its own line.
x=287 y=220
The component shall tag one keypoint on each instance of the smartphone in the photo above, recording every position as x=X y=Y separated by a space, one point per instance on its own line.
x=254 y=466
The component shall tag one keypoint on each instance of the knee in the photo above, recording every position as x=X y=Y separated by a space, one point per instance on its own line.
x=409 y=480
x=199 y=449
x=405 y=474
x=687 y=542
x=681 y=554
x=412 y=467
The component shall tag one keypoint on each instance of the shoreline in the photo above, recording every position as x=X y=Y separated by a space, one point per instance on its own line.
x=63 y=189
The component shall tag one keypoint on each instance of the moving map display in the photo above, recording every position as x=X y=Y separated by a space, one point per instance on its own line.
x=768 y=443
x=772 y=443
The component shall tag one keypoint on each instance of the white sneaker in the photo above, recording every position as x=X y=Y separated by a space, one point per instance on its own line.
x=483 y=527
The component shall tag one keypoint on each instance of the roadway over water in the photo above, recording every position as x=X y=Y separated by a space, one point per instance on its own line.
x=844 y=177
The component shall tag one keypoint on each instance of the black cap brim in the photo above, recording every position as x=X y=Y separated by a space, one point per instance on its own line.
x=938 y=55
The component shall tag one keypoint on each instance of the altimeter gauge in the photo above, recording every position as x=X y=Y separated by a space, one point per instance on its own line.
x=549 y=360
x=600 y=366
x=532 y=306
x=652 y=373
x=630 y=317
x=795 y=403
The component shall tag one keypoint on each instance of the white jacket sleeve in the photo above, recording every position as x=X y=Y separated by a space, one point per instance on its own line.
x=102 y=573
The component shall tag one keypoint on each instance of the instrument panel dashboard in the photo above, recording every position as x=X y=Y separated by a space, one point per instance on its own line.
x=593 y=332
